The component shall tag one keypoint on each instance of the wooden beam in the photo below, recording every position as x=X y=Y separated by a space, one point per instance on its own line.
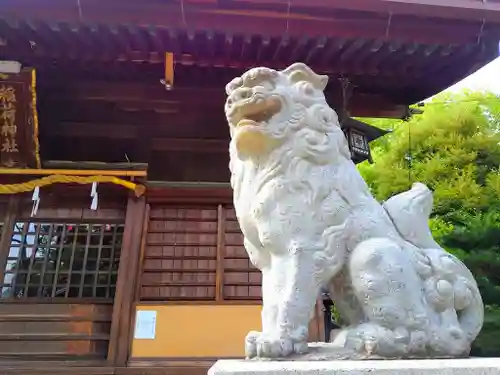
x=71 y=172
x=78 y=194
x=185 y=192
x=395 y=111
x=96 y=165
x=190 y=145
x=121 y=326
x=129 y=93
x=169 y=70
x=183 y=100
x=188 y=125
x=92 y=130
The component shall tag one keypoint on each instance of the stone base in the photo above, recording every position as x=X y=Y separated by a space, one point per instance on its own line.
x=323 y=351
x=468 y=366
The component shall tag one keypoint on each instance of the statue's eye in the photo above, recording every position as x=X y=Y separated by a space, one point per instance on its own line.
x=267 y=85
x=305 y=87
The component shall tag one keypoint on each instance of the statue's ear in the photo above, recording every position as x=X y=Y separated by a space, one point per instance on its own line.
x=301 y=72
x=233 y=85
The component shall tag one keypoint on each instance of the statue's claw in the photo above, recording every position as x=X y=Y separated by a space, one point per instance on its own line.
x=251 y=344
x=259 y=345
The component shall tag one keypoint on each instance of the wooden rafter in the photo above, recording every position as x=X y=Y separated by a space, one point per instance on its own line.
x=212 y=59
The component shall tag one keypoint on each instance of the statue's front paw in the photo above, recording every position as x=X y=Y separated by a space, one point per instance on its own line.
x=262 y=346
x=258 y=344
x=268 y=347
x=251 y=344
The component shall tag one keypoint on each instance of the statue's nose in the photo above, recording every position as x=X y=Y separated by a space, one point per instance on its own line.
x=241 y=93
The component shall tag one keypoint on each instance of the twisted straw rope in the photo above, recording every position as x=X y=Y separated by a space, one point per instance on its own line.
x=56 y=178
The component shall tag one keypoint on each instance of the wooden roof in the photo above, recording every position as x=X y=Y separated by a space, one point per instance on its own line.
x=404 y=49
x=99 y=64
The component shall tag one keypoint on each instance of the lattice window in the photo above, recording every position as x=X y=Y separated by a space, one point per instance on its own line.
x=63 y=260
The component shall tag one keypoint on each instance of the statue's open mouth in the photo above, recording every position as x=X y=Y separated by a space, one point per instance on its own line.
x=254 y=111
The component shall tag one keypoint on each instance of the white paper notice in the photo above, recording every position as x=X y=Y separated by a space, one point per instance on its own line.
x=145 y=325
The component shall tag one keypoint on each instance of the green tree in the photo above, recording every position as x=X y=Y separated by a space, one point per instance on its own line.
x=454 y=148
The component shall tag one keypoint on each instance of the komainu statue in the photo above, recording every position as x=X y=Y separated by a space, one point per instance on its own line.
x=310 y=221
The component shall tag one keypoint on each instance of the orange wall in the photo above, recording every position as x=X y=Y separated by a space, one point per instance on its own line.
x=199 y=331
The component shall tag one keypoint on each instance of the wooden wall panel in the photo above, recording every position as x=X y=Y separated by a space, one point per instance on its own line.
x=181 y=254
x=196 y=253
x=242 y=281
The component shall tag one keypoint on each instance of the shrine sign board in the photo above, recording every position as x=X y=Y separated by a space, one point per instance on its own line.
x=19 y=146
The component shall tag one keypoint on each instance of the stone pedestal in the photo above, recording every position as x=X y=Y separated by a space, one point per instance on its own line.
x=469 y=366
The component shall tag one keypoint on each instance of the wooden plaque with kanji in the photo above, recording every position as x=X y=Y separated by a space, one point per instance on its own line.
x=19 y=147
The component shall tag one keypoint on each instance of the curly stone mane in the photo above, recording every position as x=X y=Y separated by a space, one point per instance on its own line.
x=304 y=133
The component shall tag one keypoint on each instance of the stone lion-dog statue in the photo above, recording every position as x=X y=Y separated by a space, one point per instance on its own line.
x=309 y=221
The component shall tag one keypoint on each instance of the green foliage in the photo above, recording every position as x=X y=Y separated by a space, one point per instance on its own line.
x=454 y=148
x=336 y=315
x=487 y=344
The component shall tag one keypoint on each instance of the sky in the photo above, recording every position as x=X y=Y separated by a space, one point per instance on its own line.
x=485 y=79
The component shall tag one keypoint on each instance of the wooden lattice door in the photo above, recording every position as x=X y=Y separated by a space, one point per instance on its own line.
x=59 y=279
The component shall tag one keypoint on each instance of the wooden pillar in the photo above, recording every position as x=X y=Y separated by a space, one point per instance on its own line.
x=121 y=325
x=316 y=325
x=8 y=229
x=320 y=316
x=138 y=277
x=221 y=246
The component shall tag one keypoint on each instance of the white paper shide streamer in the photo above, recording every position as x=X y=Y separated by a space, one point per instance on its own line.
x=36 y=201
x=95 y=196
